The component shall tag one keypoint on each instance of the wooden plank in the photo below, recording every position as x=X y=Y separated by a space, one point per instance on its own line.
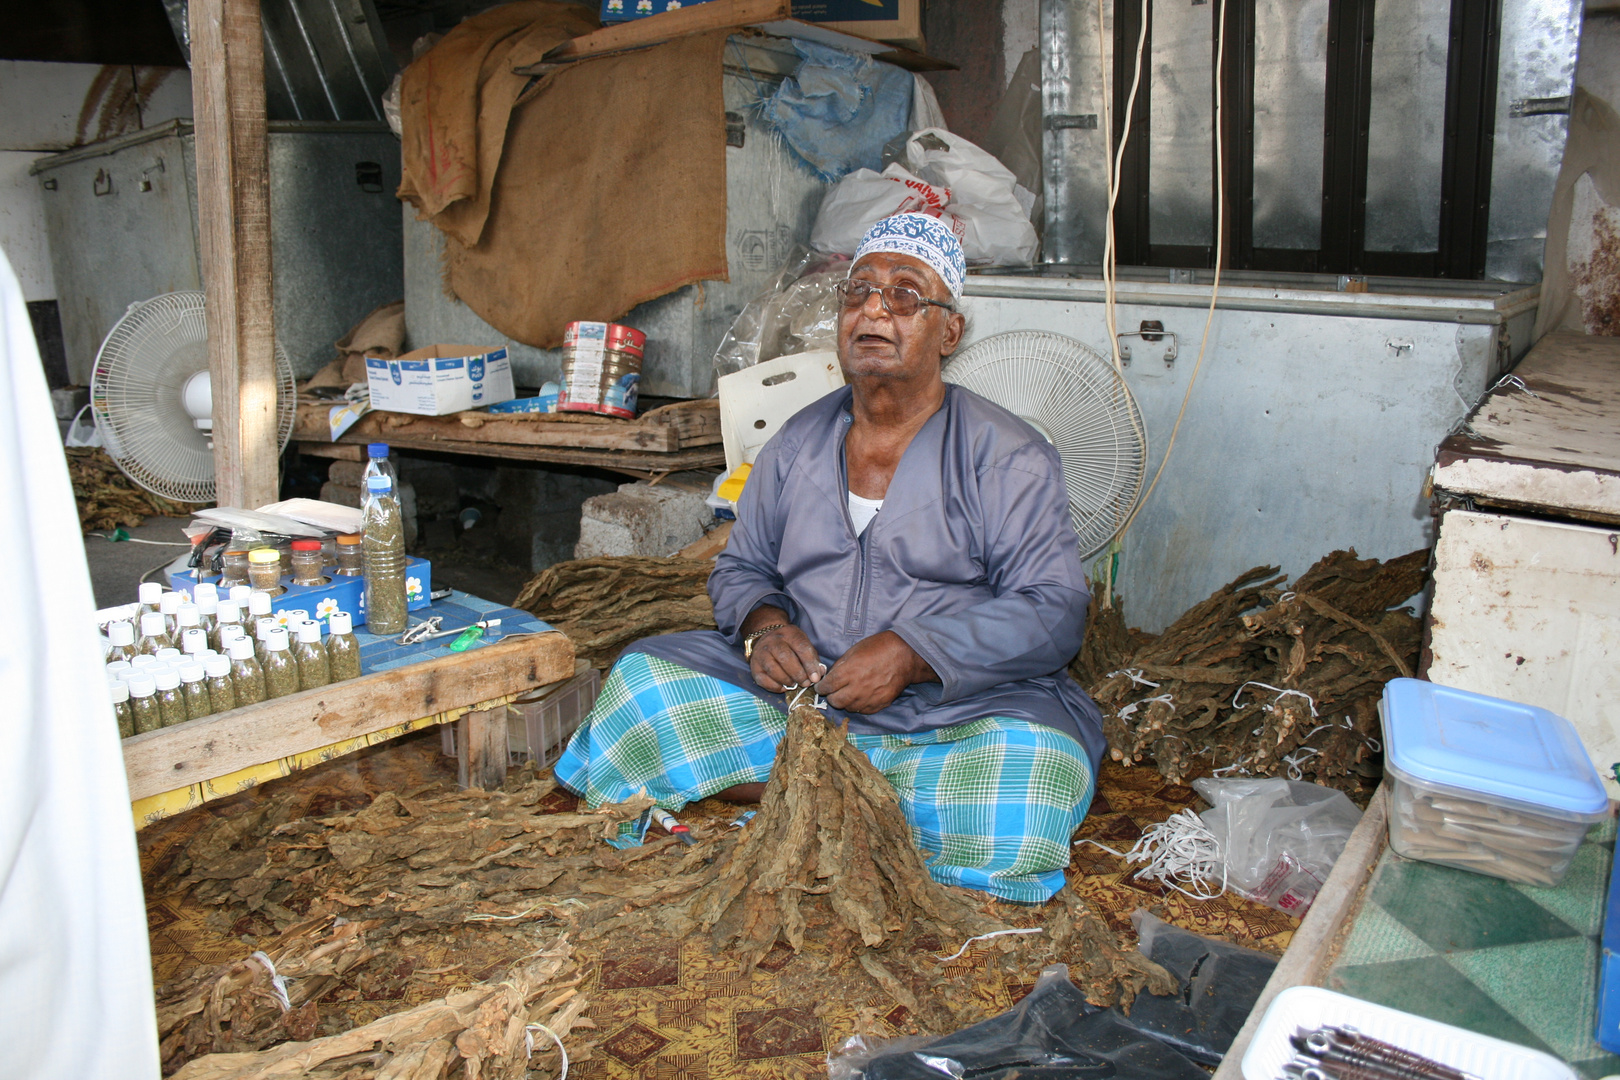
x=336 y=451
x=215 y=746
x=1311 y=951
x=233 y=231
x=674 y=427
x=634 y=464
x=481 y=737
x=712 y=15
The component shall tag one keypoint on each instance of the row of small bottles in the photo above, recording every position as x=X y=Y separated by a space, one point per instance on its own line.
x=216 y=666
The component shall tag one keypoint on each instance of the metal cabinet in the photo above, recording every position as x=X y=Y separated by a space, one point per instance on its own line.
x=1313 y=422
x=121 y=216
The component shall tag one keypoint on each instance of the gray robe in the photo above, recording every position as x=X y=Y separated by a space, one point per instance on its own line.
x=972 y=560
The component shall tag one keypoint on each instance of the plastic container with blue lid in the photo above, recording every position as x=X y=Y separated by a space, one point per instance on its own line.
x=1484 y=784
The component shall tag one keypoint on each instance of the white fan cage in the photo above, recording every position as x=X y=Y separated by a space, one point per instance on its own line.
x=135 y=395
x=1073 y=396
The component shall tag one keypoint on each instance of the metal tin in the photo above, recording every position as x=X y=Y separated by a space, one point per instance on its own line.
x=601 y=368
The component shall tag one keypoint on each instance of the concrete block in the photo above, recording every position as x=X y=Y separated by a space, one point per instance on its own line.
x=539 y=513
x=640 y=519
x=68 y=400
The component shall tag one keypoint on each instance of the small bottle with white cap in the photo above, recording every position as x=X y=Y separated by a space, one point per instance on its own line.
x=119 y=669
x=154 y=634
x=261 y=631
x=194 y=690
x=342 y=650
x=240 y=594
x=247 y=677
x=143 y=702
x=169 y=603
x=193 y=641
x=171 y=703
x=229 y=613
x=221 y=691
x=186 y=617
x=120 y=640
x=204 y=590
x=120 y=704
x=314 y=669
x=150 y=593
x=171 y=655
x=207 y=610
x=280 y=669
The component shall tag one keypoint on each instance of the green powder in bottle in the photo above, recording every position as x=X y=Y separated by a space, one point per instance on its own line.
x=143 y=702
x=120 y=702
x=171 y=702
x=247 y=678
x=154 y=635
x=195 y=690
x=313 y=667
x=342 y=650
x=280 y=669
x=382 y=540
x=221 y=692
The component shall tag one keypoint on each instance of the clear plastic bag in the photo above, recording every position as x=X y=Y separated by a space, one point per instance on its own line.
x=797 y=313
x=1053 y=1032
x=1279 y=838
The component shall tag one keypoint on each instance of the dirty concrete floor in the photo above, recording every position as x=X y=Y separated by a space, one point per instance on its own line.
x=116 y=569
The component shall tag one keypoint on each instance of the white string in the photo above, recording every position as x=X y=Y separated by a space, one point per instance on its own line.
x=1179 y=850
x=1135 y=675
x=981 y=937
x=797 y=697
x=276 y=980
x=1515 y=381
x=1128 y=710
x=1281 y=693
x=1298 y=758
x=528 y=1037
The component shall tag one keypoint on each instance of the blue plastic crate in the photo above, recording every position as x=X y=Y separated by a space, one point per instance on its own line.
x=1608 y=1003
x=338 y=594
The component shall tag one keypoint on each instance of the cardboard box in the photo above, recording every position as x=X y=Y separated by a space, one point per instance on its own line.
x=440 y=379
x=897 y=21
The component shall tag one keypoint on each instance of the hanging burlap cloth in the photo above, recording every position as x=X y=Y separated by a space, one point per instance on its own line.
x=610 y=188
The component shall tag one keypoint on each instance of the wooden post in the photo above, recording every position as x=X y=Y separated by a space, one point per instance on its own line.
x=233 y=226
x=481 y=738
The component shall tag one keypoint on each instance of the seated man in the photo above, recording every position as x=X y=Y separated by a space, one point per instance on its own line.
x=904 y=547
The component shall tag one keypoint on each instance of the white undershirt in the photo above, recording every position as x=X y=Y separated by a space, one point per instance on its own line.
x=862 y=511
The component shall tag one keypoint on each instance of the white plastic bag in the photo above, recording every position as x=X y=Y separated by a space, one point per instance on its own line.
x=82 y=431
x=864 y=197
x=1279 y=838
x=944 y=175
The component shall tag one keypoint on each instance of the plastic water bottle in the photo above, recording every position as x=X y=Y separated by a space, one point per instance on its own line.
x=382 y=539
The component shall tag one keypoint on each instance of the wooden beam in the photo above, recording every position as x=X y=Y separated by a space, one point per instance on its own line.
x=215 y=746
x=481 y=738
x=233 y=230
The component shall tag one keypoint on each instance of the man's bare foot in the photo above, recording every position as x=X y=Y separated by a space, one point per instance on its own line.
x=741 y=793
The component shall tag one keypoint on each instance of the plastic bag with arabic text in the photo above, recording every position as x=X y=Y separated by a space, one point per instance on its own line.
x=1279 y=838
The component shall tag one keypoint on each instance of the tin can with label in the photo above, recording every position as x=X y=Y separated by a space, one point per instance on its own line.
x=601 y=368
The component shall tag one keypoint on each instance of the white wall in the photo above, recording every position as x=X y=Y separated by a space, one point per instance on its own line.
x=45 y=108
x=1020 y=32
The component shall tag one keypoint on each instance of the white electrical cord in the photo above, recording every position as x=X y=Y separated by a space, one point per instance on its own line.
x=1220 y=254
x=1116 y=163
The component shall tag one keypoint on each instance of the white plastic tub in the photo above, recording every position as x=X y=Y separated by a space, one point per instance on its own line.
x=1310 y=1007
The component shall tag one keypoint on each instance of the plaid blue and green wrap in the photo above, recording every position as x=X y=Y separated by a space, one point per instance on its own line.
x=996 y=799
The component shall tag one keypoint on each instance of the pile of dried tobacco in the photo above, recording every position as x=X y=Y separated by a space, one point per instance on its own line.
x=107 y=498
x=1261 y=678
x=605 y=604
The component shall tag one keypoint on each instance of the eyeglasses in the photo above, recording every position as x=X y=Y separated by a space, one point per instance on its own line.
x=897 y=299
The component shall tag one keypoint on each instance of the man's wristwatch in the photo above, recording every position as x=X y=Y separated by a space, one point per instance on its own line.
x=748 y=642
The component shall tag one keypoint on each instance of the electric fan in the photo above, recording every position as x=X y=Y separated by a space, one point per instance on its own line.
x=1074 y=397
x=153 y=400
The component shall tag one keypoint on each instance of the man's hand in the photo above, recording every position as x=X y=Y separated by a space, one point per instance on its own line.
x=783 y=657
x=874 y=672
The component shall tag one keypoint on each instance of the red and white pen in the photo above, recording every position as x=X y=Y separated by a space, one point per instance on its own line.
x=667 y=822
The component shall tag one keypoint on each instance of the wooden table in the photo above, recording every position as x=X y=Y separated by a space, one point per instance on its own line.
x=174 y=768
x=684 y=435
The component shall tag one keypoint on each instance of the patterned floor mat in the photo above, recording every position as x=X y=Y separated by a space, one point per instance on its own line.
x=673 y=1010
x=1513 y=961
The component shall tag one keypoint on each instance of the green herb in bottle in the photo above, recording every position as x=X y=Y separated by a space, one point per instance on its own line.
x=120 y=701
x=280 y=669
x=221 y=691
x=247 y=678
x=313 y=667
x=342 y=650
